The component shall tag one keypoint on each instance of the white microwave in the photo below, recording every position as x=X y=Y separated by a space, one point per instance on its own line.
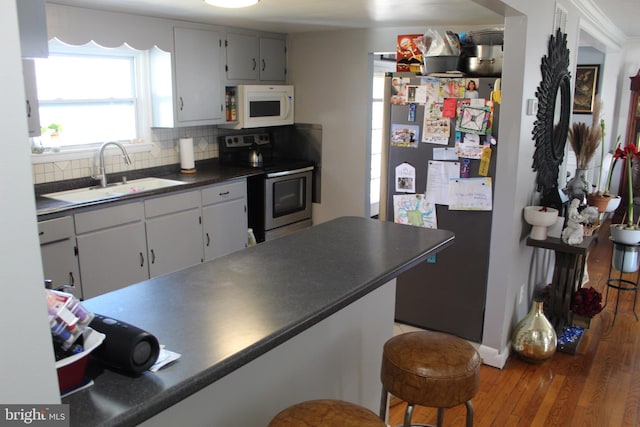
x=263 y=105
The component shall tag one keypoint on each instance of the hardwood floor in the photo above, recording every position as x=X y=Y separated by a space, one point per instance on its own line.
x=599 y=386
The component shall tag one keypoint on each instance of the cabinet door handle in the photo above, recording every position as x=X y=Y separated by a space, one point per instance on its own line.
x=181 y=104
x=141 y=260
x=208 y=240
x=28 y=108
x=72 y=280
x=224 y=194
x=264 y=65
x=255 y=64
x=153 y=257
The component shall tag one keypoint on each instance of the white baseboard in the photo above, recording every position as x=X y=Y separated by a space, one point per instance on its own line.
x=493 y=357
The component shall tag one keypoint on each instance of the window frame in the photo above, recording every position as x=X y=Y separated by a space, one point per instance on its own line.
x=141 y=100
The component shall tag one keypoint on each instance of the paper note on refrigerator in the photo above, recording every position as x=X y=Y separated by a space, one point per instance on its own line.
x=405 y=178
x=414 y=209
x=471 y=194
x=438 y=177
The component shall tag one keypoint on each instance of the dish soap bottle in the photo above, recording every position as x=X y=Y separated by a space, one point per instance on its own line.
x=251 y=241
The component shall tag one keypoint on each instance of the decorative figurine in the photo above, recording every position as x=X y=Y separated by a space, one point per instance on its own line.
x=573 y=234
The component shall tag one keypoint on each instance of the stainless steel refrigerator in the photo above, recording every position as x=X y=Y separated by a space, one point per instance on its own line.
x=448 y=293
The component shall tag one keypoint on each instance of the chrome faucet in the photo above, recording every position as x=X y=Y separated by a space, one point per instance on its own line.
x=102 y=176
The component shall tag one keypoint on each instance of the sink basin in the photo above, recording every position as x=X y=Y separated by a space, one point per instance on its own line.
x=112 y=190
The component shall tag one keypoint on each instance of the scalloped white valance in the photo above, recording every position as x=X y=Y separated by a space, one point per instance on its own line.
x=79 y=26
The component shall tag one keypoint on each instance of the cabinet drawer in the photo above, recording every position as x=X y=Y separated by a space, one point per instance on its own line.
x=173 y=203
x=55 y=229
x=109 y=217
x=223 y=192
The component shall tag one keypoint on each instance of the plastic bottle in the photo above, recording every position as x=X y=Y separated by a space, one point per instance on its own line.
x=227 y=104
x=251 y=238
x=233 y=109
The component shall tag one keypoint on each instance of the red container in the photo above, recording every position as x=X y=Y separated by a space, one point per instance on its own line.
x=71 y=370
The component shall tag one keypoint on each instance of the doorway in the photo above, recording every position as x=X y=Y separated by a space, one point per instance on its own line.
x=381 y=64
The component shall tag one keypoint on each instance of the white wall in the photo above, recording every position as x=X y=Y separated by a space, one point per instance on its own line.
x=27 y=371
x=329 y=71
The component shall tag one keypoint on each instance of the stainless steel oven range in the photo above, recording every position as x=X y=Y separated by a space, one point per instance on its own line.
x=287 y=201
x=280 y=199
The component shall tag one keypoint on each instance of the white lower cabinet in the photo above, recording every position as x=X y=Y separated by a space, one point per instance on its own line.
x=117 y=246
x=224 y=218
x=59 y=256
x=174 y=232
x=111 y=248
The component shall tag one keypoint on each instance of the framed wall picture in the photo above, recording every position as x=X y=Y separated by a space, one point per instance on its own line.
x=586 y=88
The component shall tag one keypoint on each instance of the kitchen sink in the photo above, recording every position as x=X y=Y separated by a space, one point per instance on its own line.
x=112 y=190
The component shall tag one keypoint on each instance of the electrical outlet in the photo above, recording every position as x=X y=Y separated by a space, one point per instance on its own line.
x=521 y=296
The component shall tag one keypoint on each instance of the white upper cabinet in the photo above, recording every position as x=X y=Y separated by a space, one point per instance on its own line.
x=193 y=94
x=242 y=57
x=31 y=95
x=32 y=22
x=253 y=58
x=198 y=56
x=273 y=59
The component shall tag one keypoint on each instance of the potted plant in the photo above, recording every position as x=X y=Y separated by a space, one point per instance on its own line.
x=540 y=218
x=585 y=304
x=627 y=232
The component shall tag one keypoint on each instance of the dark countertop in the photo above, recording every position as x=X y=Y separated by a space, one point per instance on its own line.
x=265 y=294
x=556 y=244
x=207 y=172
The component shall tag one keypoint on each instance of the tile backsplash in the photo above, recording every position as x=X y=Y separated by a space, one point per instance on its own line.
x=163 y=152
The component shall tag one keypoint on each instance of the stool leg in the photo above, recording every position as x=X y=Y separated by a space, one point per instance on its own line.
x=440 y=417
x=383 y=404
x=407 y=415
x=469 y=413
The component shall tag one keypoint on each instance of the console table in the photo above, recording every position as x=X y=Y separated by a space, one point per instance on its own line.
x=568 y=273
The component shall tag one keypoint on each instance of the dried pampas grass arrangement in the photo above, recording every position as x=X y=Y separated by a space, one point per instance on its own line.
x=585 y=140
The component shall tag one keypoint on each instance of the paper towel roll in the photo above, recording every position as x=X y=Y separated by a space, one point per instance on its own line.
x=186 y=155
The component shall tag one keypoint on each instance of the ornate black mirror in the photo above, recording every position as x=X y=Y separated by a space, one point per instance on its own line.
x=552 y=120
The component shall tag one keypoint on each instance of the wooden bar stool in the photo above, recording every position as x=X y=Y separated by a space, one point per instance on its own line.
x=326 y=413
x=429 y=369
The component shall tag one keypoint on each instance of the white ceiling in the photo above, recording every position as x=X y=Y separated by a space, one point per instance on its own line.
x=291 y=16
x=309 y=15
x=625 y=14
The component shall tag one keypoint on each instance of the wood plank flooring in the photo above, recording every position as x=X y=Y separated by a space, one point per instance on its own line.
x=599 y=386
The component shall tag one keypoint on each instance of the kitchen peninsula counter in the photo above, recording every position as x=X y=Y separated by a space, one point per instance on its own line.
x=303 y=316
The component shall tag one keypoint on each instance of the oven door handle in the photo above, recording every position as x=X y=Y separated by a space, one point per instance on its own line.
x=290 y=172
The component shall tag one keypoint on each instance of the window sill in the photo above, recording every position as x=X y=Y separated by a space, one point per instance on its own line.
x=84 y=153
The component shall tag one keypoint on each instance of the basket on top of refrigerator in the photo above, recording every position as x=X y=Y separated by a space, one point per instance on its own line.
x=440 y=51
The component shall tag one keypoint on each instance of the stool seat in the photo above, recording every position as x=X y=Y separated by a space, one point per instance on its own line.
x=430 y=369
x=326 y=413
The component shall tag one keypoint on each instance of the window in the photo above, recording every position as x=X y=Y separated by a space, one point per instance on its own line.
x=88 y=95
